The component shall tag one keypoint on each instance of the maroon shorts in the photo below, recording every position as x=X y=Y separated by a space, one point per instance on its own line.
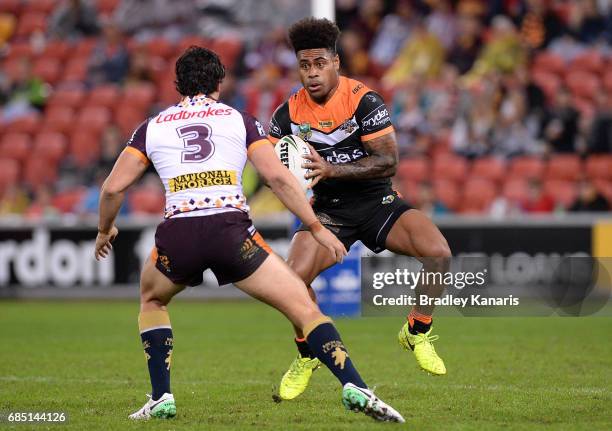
x=227 y=243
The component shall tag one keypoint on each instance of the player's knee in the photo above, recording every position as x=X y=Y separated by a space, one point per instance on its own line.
x=149 y=295
x=302 y=269
x=303 y=311
x=440 y=250
x=309 y=314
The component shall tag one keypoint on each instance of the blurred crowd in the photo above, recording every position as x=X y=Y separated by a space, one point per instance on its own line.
x=468 y=83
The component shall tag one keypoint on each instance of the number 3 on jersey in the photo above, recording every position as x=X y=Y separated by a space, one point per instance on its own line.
x=196 y=139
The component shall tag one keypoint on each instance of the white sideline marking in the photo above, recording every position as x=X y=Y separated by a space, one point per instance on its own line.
x=489 y=388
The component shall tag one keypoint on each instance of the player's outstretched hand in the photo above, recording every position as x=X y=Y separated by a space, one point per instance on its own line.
x=330 y=241
x=319 y=168
x=103 y=242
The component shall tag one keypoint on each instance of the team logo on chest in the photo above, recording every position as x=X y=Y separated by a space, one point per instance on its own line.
x=349 y=126
x=304 y=131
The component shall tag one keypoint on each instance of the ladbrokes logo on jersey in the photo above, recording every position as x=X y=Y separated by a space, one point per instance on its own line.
x=186 y=115
x=202 y=179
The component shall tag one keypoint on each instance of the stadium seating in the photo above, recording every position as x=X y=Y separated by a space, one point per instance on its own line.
x=478 y=194
x=128 y=117
x=39 y=172
x=31 y=22
x=57 y=49
x=146 y=201
x=526 y=167
x=413 y=169
x=562 y=191
x=67 y=201
x=75 y=115
x=450 y=167
x=69 y=96
x=76 y=69
x=50 y=146
x=9 y=173
x=41 y=6
x=48 y=69
x=106 y=95
x=564 y=167
x=447 y=192
x=599 y=167
x=16 y=146
x=59 y=118
x=84 y=146
x=489 y=168
x=515 y=190
x=590 y=61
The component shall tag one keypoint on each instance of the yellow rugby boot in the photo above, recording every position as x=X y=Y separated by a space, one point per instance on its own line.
x=296 y=379
x=421 y=345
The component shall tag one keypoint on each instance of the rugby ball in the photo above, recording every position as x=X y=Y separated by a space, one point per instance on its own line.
x=289 y=150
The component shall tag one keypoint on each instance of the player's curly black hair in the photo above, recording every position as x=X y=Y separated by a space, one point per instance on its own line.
x=312 y=33
x=198 y=71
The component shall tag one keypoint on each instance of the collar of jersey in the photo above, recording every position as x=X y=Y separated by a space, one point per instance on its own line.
x=186 y=101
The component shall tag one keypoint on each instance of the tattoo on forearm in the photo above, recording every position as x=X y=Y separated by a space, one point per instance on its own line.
x=381 y=162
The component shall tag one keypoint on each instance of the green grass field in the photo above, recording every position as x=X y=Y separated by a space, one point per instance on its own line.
x=509 y=374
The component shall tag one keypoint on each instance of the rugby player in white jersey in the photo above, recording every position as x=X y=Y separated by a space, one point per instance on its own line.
x=199 y=148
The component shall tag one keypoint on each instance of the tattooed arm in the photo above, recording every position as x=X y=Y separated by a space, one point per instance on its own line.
x=380 y=163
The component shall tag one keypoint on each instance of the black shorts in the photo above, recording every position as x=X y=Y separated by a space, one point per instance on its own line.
x=368 y=220
x=227 y=243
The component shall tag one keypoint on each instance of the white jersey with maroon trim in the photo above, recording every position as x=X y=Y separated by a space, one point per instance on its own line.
x=199 y=149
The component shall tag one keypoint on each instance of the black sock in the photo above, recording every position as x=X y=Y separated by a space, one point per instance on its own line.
x=304 y=349
x=157 y=345
x=157 y=341
x=419 y=327
x=325 y=342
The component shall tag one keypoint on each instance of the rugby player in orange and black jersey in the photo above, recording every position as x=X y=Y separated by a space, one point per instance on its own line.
x=354 y=155
x=339 y=131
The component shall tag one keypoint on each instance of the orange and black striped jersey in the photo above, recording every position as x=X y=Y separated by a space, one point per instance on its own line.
x=337 y=130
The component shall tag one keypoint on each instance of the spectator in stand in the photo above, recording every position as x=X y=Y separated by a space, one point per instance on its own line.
x=510 y=136
x=467 y=44
x=21 y=92
x=74 y=19
x=353 y=56
x=264 y=94
x=442 y=22
x=585 y=21
x=567 y=47
x=561 y=124
x=422 y=55
x=427 y=201
x=144 y=19
x=589 y=199
x=473 y=126
x=503 y=53
x=410 y=120
x=230 y=93
x=141 y=66
x=111 y=146
x=368 y=19
x=110 y=60
x=89 y=205
x=14 y=201
x=537 y=201
x=272 y=49
x=346 y=10
x=539 y=24
x=600 y=136
x=8 y=22
x=42 y=206
x=394 y=29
